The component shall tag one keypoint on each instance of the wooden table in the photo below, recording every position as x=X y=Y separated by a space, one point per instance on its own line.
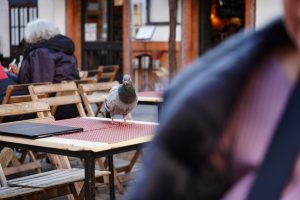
x=150 y=97
x=100 y=138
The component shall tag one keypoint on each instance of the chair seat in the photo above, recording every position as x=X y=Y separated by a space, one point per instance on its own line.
x=9 y=192
x=53 y=178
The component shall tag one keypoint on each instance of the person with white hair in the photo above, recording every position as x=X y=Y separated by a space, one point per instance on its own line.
x=49 y=57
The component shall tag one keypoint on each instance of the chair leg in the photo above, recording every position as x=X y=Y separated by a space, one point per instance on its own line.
x=32 y=158
x=132 y=162
x=22 y=157
x=73 y=191
x=81 y=193
x=118 y=182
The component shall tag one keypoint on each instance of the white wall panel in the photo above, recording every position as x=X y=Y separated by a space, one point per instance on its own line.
x=266 y=11
x=4 y=24
x=55 y=11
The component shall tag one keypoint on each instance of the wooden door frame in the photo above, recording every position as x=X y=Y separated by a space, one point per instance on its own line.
x=127 y=37
x=250 y=14
x=74 y=27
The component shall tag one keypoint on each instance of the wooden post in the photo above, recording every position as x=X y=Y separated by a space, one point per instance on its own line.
x=172 y=39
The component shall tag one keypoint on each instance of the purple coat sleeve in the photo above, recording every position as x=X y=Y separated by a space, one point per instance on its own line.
x=38 y=66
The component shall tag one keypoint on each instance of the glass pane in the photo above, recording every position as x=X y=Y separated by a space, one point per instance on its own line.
x=12 y=32
x=34 y=13
x=117 y=23
x=12 y=17
x=21 y=16
x=25 y=16
x=16 y=17
x=156 y=5
x=30 y=14
x=17 y=36
x=21 y=33
x=96 y=20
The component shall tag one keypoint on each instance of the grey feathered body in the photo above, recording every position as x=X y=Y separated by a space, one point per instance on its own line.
x=120 y=100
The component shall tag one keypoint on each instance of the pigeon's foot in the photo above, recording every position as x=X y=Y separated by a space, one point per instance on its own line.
x=124 y=123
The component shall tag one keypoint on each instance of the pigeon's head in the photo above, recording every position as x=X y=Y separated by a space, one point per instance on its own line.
x=127 y=80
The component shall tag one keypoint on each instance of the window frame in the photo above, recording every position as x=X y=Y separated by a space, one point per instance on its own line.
x=18 y=8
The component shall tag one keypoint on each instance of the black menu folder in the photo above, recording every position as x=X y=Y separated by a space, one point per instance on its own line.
x=35 y=130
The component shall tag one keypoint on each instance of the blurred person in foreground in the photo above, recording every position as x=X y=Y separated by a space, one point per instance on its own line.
x=220 y=115
x=49 y=57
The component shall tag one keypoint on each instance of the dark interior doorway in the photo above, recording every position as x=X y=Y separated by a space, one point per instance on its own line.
x=219 y=19
x=102 y=34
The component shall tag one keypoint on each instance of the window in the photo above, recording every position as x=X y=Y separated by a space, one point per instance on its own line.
x=21 y=12
x=157 y=17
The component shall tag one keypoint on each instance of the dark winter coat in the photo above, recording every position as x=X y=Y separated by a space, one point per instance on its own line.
x=51 y=61
x=195 y=111
x=3 y=86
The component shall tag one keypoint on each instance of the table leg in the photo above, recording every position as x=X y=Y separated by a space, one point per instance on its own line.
x=110 y=161
x=89 y=181
x=158 y=111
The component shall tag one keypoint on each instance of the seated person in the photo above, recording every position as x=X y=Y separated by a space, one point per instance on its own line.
x=49 y=57
x=5 y=81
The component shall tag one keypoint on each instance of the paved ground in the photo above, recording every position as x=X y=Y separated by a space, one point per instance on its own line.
x=140 y=113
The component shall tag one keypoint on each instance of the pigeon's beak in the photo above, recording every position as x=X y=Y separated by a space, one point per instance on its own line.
x=126 y=82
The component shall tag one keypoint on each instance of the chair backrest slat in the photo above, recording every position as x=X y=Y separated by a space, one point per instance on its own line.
x=107 y=73
x=11 y=89
x=95 y=87
x=53 y=88
x=61 y=100
x=24 y=108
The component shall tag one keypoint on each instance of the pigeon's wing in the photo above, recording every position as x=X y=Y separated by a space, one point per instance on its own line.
x=110 y=100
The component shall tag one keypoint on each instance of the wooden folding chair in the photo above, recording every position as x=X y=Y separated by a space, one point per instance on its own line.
x=11 y=192
x=94 y=93
x=66 y=94
x=57 y=182
x=18 y=93
x=43 y=110
x=107 y=73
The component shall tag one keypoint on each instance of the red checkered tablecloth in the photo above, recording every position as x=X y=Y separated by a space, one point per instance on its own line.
x=103 y=131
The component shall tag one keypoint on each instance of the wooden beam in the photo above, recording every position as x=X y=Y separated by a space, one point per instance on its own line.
x=127 y=36
x=190 y=31
x=250 y=14
x=73 y=21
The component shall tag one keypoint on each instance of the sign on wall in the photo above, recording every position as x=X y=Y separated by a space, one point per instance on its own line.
x=90 y=32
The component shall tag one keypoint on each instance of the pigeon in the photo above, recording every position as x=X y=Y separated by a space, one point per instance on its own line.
x=120 y=100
